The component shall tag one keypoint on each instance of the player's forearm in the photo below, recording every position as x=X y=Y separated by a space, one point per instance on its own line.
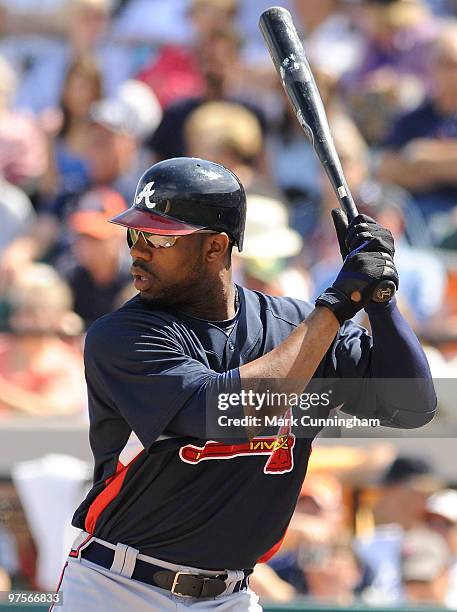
x=408 y=398
x=396 y=350
x=289 y=367
x=296 y=359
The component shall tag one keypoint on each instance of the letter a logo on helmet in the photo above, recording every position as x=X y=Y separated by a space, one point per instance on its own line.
x=145 y=195
x=190 y=194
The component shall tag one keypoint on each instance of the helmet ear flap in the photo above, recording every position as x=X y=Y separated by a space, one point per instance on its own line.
x=129 y=240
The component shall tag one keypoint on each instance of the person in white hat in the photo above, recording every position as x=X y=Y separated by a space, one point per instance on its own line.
x=441 y=516
x=270 y=242
x=425 y=563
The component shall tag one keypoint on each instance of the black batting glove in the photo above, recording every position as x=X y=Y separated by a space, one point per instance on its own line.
x=355 y=284
x=363 y=233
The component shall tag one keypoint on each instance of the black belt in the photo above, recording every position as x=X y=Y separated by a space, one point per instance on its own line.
x=179 y=583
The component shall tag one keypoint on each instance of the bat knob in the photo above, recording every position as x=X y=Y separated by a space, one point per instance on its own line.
x=384 y=291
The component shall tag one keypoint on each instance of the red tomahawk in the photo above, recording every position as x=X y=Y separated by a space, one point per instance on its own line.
x=278 y=448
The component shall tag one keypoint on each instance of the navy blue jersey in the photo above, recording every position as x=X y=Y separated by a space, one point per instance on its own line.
x=159 y=485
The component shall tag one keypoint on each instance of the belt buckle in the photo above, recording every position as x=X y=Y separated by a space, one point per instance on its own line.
x=176 y=580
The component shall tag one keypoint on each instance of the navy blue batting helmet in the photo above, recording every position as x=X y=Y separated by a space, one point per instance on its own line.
x=182 y=195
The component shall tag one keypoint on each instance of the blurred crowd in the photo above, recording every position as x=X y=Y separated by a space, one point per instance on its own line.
x=94 y=91
x=391 y=542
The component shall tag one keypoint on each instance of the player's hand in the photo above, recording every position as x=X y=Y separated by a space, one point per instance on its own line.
x=363 y=233
x=354 y=286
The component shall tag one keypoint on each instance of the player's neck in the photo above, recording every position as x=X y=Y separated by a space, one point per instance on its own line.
x=217 y=303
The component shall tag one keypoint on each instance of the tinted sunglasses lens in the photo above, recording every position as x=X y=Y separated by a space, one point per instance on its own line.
x=133 y=235
x=152 y=239
x=161 y=241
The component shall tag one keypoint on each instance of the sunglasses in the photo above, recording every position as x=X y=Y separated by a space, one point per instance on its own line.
x=158 y=241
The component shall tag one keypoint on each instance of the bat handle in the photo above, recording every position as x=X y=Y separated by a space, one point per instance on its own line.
x=384 y=291
x=347 y=202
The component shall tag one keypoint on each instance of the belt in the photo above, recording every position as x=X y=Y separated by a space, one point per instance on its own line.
x=183 y=583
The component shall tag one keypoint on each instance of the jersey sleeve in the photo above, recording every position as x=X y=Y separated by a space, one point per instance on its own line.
x=386 y=375
x=146 y=377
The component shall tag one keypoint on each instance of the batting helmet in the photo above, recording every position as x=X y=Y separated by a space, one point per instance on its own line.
x=182 y=195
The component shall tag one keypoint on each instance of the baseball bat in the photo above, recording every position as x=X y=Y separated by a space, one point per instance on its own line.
x=298 y=81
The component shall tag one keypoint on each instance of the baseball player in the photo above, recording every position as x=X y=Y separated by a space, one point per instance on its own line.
x=175 y=518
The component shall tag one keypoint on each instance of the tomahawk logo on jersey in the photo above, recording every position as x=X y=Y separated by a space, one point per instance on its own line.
x=278 y=450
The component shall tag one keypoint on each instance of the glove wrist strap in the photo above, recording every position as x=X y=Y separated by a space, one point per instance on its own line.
x=339 y=303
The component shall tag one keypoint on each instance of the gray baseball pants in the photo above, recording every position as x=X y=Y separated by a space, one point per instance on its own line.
x=89 y=587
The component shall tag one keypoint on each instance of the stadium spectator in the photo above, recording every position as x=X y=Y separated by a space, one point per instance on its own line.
x=153 y=23
x=16 y=212
x=22 y=143
x=97 y=268
x=399 y=506
x=207 y=15
x=425 y=560
x=5 y=580
x=114 y=159
x=332 y=573
x=443 y=8
x=441 y=517
x=231 y=135
x=175 y=72
x=67 y=128
x=219 y=62
x=269 y=586
x=27 y=16
x=314 y=528
x=87 y=30
x=449 y=240
x=321 y=496
x=269 y=243
x=40 y=374
x=114 y=155
x=333 y=43
x=9 y=558
x=421 y=151
x=295 y=168
x=141 y=99
x=394 y=72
